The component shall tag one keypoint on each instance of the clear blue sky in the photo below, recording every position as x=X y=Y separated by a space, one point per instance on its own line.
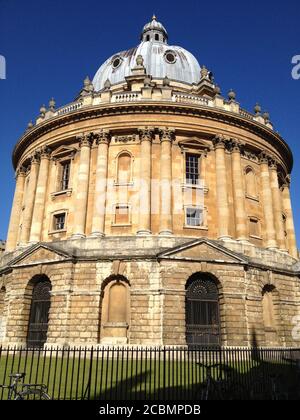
x=50 y=46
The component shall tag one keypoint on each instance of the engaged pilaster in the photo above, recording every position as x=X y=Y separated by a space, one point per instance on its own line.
x=277 y=206
x=102 y=141
x=146 y=135
x=267 y=202
x=82 y=186
x=30 y=199
x=166 y=139
x=238 y=192
x=40 y=196
x=14 y=223
x=290 y=228
x=222 y=189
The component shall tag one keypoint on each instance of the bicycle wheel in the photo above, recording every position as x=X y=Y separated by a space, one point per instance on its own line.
x=33 y=395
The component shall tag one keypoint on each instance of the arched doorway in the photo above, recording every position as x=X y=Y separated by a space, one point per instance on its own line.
x=39 y=312
x=202 y=311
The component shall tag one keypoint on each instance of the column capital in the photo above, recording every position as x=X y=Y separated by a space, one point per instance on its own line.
x=101 y=137
x=35 y=158
x=235 y=145
x=45 y=152
x=21 y=171
x=85 y=139
x=273 y=163
x=167 y=134
x=263 y=158
x=286 y=182
x=146 y=133
x=219 y=141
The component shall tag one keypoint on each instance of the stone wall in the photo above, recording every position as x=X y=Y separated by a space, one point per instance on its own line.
x=157 y=287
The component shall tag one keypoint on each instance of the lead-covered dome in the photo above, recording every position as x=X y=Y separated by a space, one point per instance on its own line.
x=160 y=60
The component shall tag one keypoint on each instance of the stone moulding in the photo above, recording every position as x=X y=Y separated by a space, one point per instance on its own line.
x=169 y=254
x=274 y=139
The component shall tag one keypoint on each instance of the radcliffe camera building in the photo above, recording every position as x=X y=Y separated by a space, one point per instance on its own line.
x=151 y=210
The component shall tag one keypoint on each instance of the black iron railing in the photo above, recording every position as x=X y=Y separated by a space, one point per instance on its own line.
x=163 y=373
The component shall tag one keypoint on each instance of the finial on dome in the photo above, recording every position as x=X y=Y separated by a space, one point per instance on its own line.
x=86 y=81
x=43 y=110
x=140 y=60
x=166 y=81
x=231 y=95
x=154 y=17
x=257 y=109
x=29 y=125
x=52 y=104
x=107 y=84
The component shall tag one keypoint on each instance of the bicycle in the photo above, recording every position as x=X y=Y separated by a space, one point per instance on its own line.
x=27 y=392
x=210 y=388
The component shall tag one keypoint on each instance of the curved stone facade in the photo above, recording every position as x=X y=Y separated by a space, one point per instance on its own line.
x=127 y=193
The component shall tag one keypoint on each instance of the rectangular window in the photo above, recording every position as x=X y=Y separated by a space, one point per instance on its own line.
x=65 y=175
x=194 y=216
x=122 y=215
x=59 y=221
x=192 y=169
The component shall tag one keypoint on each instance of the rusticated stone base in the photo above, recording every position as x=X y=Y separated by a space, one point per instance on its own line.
x=150 y=275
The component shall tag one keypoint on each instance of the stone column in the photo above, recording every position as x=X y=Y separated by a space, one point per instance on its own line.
x=239 y=193
x=146 y=135
x=40 y=197
x=267 y=202
x=290 y=228
x=82 y=186
x=277 y=206
x=222 y=190
x=98 y=222
x=166 y=138
x=14 y=223
x=30 y=199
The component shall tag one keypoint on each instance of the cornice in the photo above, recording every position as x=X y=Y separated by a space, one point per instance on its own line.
x=213 y=114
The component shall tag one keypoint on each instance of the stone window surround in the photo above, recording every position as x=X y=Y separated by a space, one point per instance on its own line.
x=250 y=197
x=52 y=231
x=59 y=160
x=116 y=180
x=113 y=223
x=258 y=221
x=204 y=209
x=201 y=154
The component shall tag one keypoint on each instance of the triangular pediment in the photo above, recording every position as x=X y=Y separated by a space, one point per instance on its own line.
x=39 y=254
x=203 y=250
x=195 y=143
x=63 y=151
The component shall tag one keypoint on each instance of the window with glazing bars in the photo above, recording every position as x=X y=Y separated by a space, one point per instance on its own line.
x=65 y=175
x=192 y=169
x=59 y=221
x=194 y=216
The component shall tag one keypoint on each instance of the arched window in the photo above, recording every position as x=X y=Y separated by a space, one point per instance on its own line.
x=2 y=313
x=124 y=168
x=156 y=37
x=39 y=311
x=115 y=311
x=202 y=311
x=148 y=38
x=251 y=187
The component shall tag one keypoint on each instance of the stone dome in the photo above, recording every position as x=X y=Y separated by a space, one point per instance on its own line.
x=160 y=60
